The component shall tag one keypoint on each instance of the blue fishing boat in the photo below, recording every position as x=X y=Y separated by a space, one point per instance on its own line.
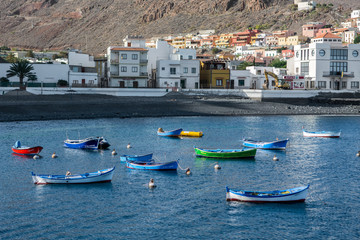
x=139 y=158
x=297 y=194
x=274 y=145
x=87 y=143
x=168 y=166
x=173 y=133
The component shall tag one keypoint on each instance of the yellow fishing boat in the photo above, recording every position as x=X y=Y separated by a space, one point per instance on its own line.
x=191 y=134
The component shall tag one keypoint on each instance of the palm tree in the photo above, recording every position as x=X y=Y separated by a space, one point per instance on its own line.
x=21 y=69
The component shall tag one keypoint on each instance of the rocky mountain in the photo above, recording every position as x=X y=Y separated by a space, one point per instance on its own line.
x=92 y=25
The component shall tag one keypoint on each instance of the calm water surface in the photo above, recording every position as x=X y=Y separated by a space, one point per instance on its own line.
x=182 y=207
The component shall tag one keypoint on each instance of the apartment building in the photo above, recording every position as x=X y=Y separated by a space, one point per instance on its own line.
x=326 y=64
x=128 y=63
x=312 y=28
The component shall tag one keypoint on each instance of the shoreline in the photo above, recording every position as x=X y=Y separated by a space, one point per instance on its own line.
x=91 y=106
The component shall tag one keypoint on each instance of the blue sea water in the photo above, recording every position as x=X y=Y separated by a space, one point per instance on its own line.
x=181 y=206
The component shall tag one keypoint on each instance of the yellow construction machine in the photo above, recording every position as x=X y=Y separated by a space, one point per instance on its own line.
x=278 y=83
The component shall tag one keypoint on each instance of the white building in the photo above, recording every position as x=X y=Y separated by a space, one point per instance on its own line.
x=355 y=14
x=174 y=67
x=82 y=70
x=244 y=79
x=47 y=74
x=327 y=64
x=258 y=76
x=128 y=65
x=305 y=5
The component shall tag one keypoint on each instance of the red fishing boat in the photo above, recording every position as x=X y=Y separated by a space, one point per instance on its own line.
x=24 y=150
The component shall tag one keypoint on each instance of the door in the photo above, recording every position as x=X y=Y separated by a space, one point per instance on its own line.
x=183 y=83
x=83 y=82
x=135 y=84
x=232 y=84
x=122 y=84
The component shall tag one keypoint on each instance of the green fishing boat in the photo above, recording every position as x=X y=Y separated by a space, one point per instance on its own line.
x=225 y=153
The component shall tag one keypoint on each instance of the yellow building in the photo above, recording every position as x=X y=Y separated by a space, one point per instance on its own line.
x=223 y=41
x=214 y=74
x=179 y=42
x=291 y=40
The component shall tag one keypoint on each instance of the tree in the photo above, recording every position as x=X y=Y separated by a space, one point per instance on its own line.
x=30 y=54
x=243 y=65
x=11 y=58
x=62 y=83
x=278 y=63
x=357 y=40
x=215 y=50
x=21 y=69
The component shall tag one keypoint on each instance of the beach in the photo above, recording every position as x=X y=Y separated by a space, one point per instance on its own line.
x=27 y=107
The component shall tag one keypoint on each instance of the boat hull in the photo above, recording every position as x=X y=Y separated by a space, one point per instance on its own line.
x=94 y=177
x=280 y=196
x=191 y=134
x=139 y=158
x=169 y=166
x=275 y=145
x=225 y=153
x=173 y=133
x=27 y=150
x=323 y=134
x=87 y=143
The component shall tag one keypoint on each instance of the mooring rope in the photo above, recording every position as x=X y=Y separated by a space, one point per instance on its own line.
x=181 y=167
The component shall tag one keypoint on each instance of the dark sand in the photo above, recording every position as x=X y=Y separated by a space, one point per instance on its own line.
x=76 y=106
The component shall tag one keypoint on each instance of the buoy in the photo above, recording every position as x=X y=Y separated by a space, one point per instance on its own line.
x=275 y=158
x=128 y=146
x=36 y=156
x=152 y=184
x=358 y=154
x=113 y=152
x=54 y=155
x=188 y=172
x=217 y=166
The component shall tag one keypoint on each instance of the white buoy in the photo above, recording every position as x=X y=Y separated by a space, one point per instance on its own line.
x=217 y=166
x=36 y=156
x=188 y=172
x=358 y=154
x=113 y=152
x=128 y=146
x=151 y=183
x=54 y=155
x=275 y=158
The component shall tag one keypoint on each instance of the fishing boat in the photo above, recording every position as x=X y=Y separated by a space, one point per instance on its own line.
x=173 y=133
x=87 y=143
x=225 y=153
x=191 y=134
x=274 y=145
x=297 y=194
x=104 y=175
x=168 y=166
x=323 y=134
x=24 y=150
x=139 y=158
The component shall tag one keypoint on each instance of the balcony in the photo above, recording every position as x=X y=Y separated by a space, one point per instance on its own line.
x=114 y=74
x=114 y=61
x=338 y=74
x=143 y=74
x=144 y=61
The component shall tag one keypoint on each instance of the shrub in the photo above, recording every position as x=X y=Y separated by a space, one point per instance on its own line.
x=62 y=83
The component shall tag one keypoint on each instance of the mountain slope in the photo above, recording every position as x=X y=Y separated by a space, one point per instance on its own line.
x=93 y=25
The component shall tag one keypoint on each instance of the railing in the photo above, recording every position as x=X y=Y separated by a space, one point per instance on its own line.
x=143 y=74
x=114 y=61
x=143 y=60
x=338 y=74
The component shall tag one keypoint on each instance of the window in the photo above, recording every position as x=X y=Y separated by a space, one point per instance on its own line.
x=190 y=57
x=186 y=70
x=134 y=69
x=304 y=68
x=123 y=69
x=181 y=57
x=124 y=56
x=75 y=81
x=322 y=84
x=193 y=70
x=339 y=54
x=91 y=81
x=172 y=70
x=354 y=84
x=343 y=85
x=134 y=57
x=258 y=72
x=336 y=68
x=241 y=83
x=163 y=68
x=219 y=82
